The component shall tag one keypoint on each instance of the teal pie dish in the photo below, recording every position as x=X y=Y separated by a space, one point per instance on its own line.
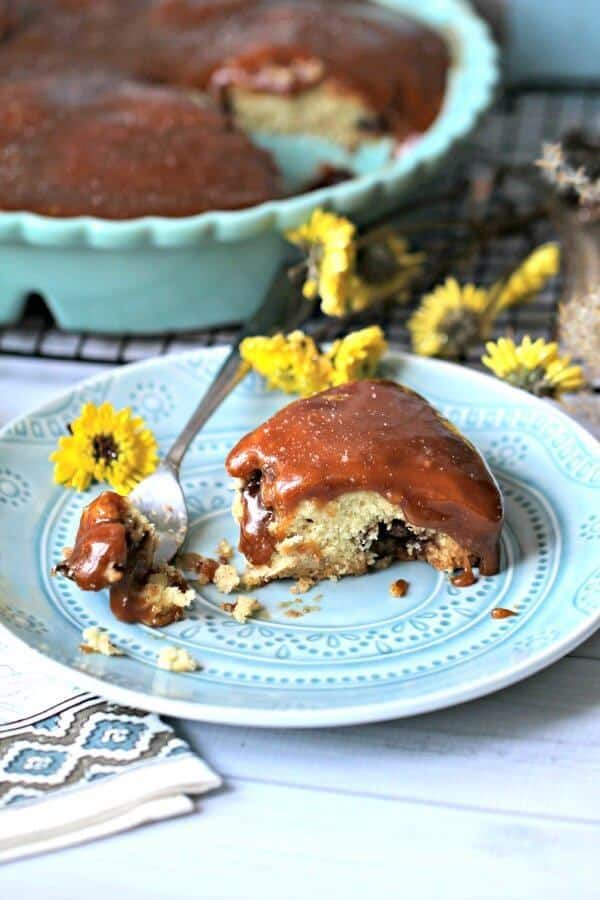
x=156 y=274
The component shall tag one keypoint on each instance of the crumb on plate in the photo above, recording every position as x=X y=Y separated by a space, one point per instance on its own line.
x=176 y=659
x=297 y=607
x=95 y=640
x=224 y=551
x=203 y=567
x=242 y=608
x=161 y=590
x=302 y=586
x=226 y=578
x=298 y=612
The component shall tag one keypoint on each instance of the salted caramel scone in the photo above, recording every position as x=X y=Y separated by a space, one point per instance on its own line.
x=114 y=549
x=358 y=476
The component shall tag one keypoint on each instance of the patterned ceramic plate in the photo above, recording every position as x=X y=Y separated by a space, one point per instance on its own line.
x=359 y=654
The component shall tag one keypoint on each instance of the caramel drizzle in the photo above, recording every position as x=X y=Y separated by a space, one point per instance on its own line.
x=500 y=612
x=464 y=579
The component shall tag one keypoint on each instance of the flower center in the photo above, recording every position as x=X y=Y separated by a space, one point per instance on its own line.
x=462 y=328
x=104 y=447
x=376 y=263
x=532 y=380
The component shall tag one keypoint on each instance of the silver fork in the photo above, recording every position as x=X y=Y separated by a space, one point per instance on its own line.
x=160 y=496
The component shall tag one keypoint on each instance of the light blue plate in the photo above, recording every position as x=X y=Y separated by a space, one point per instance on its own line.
x=365 y=655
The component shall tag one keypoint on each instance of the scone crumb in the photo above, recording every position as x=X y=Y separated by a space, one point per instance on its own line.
x=203 y=567
x=399 y=588
x=176 y=659
x=295 y=609
x=226 y=578
x=95 y=640
x=160 y=591
x=298 y=612
x=224 y=551
x=243 y=608
x=302 y=586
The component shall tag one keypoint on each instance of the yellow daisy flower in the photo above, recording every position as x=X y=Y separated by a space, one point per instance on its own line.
x=449 y=319
x=534 y=366
x=328 y=241
x=106 y=445
x=357 y=355
x=530 y=277
x=292 y=363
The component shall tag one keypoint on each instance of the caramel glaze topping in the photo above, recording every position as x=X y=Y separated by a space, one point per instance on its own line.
x=131 y=598
x=101 y=549
x=256 y=540
x=128 y=601
x=91 y=143
x=367 y=436
x=95 y=111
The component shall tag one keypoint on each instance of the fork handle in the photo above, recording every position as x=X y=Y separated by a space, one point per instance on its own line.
x=279 y=309
x=229 y=375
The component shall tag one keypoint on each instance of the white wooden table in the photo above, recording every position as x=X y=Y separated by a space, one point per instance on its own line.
x=499 y=798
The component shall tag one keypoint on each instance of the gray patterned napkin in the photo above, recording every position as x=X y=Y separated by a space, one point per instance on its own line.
x=74 y=767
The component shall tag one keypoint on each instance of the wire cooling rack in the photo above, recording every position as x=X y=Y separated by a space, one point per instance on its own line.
x=511 y=134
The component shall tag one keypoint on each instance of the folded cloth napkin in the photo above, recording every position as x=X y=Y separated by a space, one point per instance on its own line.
x=74 y=767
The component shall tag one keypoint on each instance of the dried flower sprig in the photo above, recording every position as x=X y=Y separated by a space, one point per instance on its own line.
x=579 y=330
x=105 y=445
x=350 y=273
x=293 y=363
x=565 y=177
x=534 y=366
x=451 y=318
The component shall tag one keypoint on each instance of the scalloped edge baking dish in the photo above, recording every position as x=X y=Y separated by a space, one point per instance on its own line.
x=154 y=274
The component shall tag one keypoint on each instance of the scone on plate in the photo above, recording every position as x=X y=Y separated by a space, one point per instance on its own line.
x=358 y=476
